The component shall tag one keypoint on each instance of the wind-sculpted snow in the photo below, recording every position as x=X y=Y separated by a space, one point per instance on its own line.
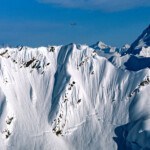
x=74 y=97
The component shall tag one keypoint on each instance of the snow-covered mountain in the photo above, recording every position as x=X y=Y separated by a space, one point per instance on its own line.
x=74 y=97
x=141 y=44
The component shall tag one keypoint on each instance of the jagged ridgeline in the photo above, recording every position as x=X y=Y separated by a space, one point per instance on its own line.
x=75 y=97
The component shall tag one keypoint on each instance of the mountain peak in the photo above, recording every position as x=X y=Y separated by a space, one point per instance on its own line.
x=51 y=97
x=142 y=41
x=101 y=45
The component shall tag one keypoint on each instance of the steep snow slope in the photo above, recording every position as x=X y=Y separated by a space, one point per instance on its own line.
x=65 y=97
x=73 y=97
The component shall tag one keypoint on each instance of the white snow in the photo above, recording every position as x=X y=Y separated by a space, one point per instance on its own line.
x=73 y=97
x=145 y=52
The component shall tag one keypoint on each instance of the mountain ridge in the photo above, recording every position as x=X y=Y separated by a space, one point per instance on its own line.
x=73 y=97
x=142 y=41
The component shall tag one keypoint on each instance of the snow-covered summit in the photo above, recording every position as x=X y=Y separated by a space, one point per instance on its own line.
x=124 y=48
x=103 y=47
x=73 y=97
x=143 y=41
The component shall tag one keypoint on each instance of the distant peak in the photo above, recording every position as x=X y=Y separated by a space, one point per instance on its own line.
x=126 y=46
x=101 y=45
x=142 y=41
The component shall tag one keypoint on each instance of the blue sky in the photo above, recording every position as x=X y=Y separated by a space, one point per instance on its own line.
x=46 y=22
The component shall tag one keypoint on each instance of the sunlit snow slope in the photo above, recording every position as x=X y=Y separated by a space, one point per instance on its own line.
x=74 y=97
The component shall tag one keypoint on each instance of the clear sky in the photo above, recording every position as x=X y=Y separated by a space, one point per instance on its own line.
x=49 y=22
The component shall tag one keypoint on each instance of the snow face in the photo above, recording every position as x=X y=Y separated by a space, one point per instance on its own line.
x=74 y=97
x=145 y=52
